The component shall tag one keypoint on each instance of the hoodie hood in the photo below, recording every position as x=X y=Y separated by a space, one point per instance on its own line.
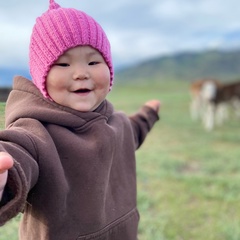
x=26 y=101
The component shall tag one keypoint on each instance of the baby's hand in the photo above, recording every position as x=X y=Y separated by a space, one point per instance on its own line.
x=6 y=162
x=154 y=104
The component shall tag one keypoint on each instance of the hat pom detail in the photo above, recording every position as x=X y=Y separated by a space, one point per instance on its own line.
x=53 y=5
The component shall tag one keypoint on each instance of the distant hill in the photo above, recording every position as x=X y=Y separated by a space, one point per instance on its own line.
x=223 y=65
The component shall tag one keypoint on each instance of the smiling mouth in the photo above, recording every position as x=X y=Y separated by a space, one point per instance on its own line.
x=84 y=90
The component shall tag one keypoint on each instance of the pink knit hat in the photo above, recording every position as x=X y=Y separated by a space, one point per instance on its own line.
x=58 y=30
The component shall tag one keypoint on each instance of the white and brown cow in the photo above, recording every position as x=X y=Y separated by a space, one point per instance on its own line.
x=224 y=96
x=201 y=91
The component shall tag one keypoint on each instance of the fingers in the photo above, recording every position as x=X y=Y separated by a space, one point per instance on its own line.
x=6 y=161
x=154 y=104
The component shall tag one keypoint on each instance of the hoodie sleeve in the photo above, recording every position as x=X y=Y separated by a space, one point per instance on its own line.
x=22 y=176
x=142 y=122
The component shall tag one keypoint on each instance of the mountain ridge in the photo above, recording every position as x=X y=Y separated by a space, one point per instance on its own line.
x=219 y=64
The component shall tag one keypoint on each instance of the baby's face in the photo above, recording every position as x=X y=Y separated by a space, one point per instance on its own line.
x=79 y=79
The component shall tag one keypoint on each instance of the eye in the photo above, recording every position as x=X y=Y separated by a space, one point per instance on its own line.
x=93 y=63
x=62 y=64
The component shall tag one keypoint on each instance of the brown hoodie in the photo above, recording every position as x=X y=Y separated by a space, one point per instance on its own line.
x=74 y=175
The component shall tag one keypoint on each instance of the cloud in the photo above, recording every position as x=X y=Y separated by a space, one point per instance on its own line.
x=137 y=30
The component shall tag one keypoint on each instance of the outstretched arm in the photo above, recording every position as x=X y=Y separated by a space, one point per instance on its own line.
x=144 y=119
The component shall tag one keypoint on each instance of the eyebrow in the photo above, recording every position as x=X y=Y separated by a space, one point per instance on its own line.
x=93 y=52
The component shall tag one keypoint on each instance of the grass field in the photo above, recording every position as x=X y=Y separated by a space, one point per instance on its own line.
x=188 y=179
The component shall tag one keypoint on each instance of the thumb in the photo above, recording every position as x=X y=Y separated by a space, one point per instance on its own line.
x=6 y=161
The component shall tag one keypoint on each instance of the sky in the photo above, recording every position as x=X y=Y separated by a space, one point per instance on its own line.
x=137 y=29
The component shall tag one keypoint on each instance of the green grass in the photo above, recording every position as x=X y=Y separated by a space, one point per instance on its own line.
x=188 y=179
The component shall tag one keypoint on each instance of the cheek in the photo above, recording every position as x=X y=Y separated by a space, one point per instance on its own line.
x=104 y=79
x=54 y=81
x=105 y=85
x=54 y=85
x=50 y=79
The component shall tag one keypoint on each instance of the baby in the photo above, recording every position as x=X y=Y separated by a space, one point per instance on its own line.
x=67 y=159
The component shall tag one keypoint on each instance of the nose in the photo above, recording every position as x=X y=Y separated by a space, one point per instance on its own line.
x=80 y=72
